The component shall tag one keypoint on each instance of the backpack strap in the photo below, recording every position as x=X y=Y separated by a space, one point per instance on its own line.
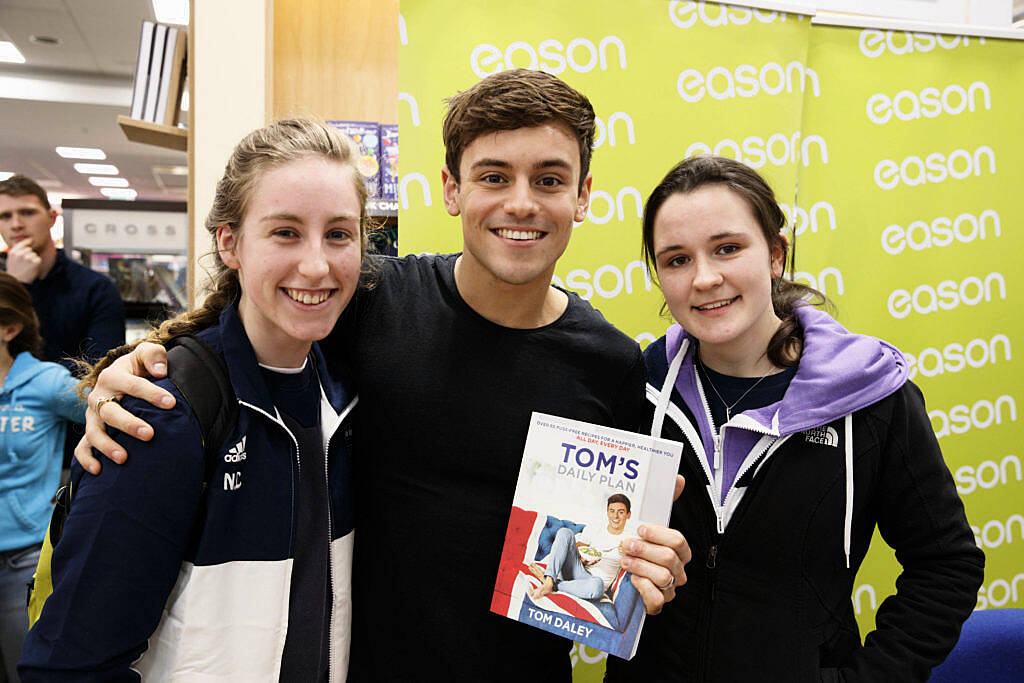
x=201 y=376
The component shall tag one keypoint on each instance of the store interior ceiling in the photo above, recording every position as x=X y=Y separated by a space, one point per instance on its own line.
x=77 y=78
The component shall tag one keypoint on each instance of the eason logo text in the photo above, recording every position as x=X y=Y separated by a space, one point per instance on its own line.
x=603 y=207
x=1000 y=592
x=821 y=281
x=946 y=296
x=936 y=167
x=941 y=232
x=995 y=532
x=746 y=80
x=987 y=474
x=580 y=55
x=420 y=181
x=906 y=105
x=954 y=357
x=799 y=219
x=961 y=419
x=687 y=14
x=755 y=151
x=606 y=132
x=608 y=281
x=875 y=43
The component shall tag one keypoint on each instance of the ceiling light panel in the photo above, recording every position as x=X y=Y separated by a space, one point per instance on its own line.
x=97 y=169
x=171 y=11
x=109 y=182
x=9 y=53
x=81 y=153
x=119 y=193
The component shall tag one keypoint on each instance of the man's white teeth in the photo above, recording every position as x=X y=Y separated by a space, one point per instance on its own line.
x=306 y=297
x=719 y=304
x=519 y=234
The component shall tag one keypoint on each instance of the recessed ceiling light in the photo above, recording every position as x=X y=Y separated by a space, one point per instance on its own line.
x=109 y=182
x=97 y=169
x=4 y=175
x=118 y=193
x=9 y=53
x=171 y=11
x=81 y=153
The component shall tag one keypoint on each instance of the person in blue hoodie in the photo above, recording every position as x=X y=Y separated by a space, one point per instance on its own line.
x=174 y=566
x=37 y=400
x=800 y=438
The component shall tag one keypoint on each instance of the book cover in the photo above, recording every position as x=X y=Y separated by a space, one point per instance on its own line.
x=366 y=135
x=171 y=74
x=155 y=64
x=142 y=70
x=389 y=161
x=582 y=490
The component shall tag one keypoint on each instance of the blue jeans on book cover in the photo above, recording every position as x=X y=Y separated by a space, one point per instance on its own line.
x=16 y=569
x=566 y=568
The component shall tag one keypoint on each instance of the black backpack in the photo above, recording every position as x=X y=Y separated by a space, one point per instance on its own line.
x=202 y=378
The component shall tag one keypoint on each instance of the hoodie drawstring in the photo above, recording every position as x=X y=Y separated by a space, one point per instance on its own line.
x=666 y=389
x=848 y=444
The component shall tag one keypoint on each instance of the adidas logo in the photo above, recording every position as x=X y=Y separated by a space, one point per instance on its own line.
x=826 y=436
x=236 y=453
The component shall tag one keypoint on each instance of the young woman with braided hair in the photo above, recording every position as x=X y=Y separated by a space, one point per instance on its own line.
x=172 y=565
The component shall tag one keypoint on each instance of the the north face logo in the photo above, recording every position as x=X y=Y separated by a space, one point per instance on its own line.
x=826 y=436
x=236 y=453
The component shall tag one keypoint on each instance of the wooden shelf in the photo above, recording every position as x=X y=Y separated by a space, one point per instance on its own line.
x=157 y=134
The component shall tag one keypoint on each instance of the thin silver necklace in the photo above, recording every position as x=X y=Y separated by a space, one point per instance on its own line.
x=728 y=408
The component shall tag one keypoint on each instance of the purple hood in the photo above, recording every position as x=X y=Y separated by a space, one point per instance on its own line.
x=840 y=372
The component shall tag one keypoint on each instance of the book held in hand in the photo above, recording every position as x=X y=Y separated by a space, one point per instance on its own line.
x=583 y=489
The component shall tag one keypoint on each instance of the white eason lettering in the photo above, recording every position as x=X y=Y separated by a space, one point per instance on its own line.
x=864 y=590
x=926 y=299
x=607 y=132
x=799 y=219
x=983 y=414
x=550 y=55
x=954 y=357
x=419 y=179
x=745 y=81
x=995 y=532
x=1006 y=590
x=874 y=43
x=820 y=281
x=687 y=14
x=414 y=107
x=987 y=474
x=907 y=105
x=755 y=151
x=934 y=168
x=608 y=281
x=941 y=232
x=613 y=207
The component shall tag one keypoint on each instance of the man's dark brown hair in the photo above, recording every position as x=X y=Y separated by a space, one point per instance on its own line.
x=19 y=185
x=518 y=98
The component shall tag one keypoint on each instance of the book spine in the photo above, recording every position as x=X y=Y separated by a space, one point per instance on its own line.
x=155 y=64
x=166 y=68
x=176 y=82
x=142 y=71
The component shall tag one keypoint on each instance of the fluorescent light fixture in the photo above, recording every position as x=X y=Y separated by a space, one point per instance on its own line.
x=81 y=153
x=119 y=193
x=171 y=11
x=9 y=53
x=109 y=182
x=4 y=175
x=97 y=169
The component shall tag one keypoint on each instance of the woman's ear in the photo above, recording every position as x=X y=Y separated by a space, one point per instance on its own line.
x=226 y=243
x=9 y=332
x=778 y=263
